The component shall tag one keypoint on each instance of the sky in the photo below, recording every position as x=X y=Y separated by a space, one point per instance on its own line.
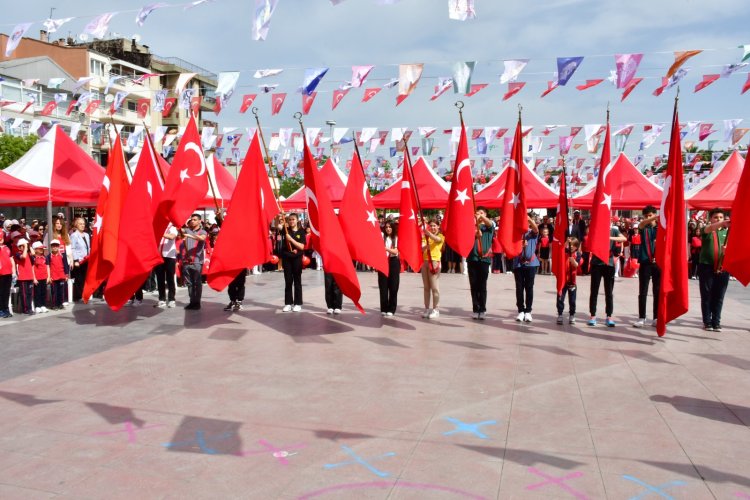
x=314 y=33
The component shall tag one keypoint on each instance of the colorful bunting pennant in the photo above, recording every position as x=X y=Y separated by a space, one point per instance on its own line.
x=566 y=67
x=627 y=65
x=513 y=89
x=681 y=58
x=707 y=80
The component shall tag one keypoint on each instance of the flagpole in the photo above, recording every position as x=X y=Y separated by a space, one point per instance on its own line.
x=416 y=196
x=460 y=106
x=359 y=158
x=158 y=166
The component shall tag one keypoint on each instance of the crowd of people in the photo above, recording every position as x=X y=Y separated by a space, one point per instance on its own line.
x=55 y=276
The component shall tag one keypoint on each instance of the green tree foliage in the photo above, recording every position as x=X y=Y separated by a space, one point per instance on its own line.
x=289 y=185
x=12 y=148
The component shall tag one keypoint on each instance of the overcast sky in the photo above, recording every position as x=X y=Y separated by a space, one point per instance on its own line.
x=313 y=33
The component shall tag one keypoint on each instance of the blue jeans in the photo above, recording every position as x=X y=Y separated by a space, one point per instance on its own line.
x=712 y=286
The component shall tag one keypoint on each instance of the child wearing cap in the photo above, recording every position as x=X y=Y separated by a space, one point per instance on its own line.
x=6 y=279
x=41 y=277
x=25 y=271
x=59 y=270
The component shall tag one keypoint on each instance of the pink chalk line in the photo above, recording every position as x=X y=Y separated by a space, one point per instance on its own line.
x=558 y=481
x=739 y=494
x=386 y=484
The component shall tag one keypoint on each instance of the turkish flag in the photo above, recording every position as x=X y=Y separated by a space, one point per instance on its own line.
x=195 y=104
x=217 y=106
x=707 y=80
x=307 y=102
x=247 y=101
x=746 y=87
x=589 y=84
x=143 y=106
x=599 y=228
x=560 y=261
x=514 y=222
x=409 y=233
x=660 y=89
x=243 y=240
x=370 y=93
x=169 y=104
x=705 y=130
x=630 y=87
x=92 y=106
x=48 y=108
x=70 y=107
x=138 y=252
x=459 y=223
x=359 y=221
x=736 y=256
x=401 y=98
x=338 y=95
x=277 y=100
x=105 y=231
x=513 y=89
x=326 y=236
x=671 y=237
x=476 y=88
x=187 y=182
x=550 y=87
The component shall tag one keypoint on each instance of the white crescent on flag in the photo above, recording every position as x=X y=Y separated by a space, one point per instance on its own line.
x=311 y=198
x=665 y=194
x=464 y=163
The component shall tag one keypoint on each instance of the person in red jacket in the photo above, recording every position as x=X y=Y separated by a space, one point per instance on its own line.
x=59 y=271
x=41 y=277
x=6 y=279
x=25 y=270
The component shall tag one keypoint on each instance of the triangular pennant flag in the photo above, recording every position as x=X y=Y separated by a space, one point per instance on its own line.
x=312 y=78
x=566 y=66
x=338 y=95
x=408 y=78
x=443 y=85
x=370 y=93
x=513 y=89
x=462 y=72
x=476 y=88
x=359 y=75
x=307 y=102
x=550 y=87
x=277 y=100
x=707 y=80
x=681 y=58
x=627 y=65
x=630 y=88
x=513 y=68
x=589 y=84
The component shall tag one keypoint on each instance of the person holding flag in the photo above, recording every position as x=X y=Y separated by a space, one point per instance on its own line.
x=432 y=244
x=712 y=278
x=601 y=270
x=648 y=270
x=525 y=266
x=570 y=268
x=478 y=263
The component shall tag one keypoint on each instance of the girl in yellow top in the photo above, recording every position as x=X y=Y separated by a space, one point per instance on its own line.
x=432 y=245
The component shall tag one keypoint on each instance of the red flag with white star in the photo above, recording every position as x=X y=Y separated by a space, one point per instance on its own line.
x=409 y=233
x=459 y=224
x=560 y=261
x=277 y=100
x=359 y=221
x=370 y=93
x=247 y=101
x=107 y=225
x=514 y=222
x=307 y=102
x=601 y=208
x=338 y=95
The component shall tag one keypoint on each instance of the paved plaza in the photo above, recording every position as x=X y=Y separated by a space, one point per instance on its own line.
x=150 y=403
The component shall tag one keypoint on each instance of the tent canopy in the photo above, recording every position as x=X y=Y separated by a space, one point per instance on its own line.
x=631 y=190
x=719 y=188
x=538 y=193
x=432 y=190
x=14 y=192
x=334 y=181
x=57 y=164
x=222 y=181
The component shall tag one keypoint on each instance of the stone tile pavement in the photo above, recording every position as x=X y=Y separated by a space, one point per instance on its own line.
x=175 y=404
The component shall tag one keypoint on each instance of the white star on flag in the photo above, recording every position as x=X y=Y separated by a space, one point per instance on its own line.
x=371 y=218
x=98 y=222
x=413 y=215
x=516 y=200
x=607 y=200
x=184 y=175
x=462 y=196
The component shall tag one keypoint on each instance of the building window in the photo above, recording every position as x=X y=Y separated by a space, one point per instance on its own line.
x=97 y=67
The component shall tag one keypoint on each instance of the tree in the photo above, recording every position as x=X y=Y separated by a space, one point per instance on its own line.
x=13 y=147
x=289 y=185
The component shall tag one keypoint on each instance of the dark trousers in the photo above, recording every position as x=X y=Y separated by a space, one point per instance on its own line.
x=597 y=273
x=388 y=286
x=40 y=294
x=571 y=293
x=79 y=278
x=292 y=280
x=25 y=289
x=334 y=297
x=192 y=274
x=236 y=288
x=6 y=281
x=58 y=293
x=138 y=295
x=524 y=287
x=648 y=271
x=165 y=279
x=712 y=286
x=478 y=274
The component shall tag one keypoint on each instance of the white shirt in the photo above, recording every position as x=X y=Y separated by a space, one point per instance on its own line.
x=390 y=242
x=167 y=246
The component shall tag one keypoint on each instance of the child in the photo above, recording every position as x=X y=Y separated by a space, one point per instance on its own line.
x=334 y=295
x=571 y=251
x=525 y=267
x=25 y=269
x=6 y=279
x=41 y=277
x=59 y=270
x=544 y=251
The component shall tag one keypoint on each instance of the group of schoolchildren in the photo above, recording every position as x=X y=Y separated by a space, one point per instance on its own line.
x=35 y=271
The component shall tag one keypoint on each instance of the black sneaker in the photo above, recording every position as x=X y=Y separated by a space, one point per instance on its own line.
x=717 y=328
x=237 y=306
x=192 y=307
x=708 y=328
x=229 y=306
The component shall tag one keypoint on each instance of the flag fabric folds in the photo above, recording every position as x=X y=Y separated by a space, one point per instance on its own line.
x=566 y=66
x=560 y=262
x=736 y=256
x=243 y=240
x=359 y=221
x=514 y=222
x=409 y=232
x=599 y=228
x=326 y=235
x=459 y=225
x=671 y=237
x=681 y=58
x=627 y=65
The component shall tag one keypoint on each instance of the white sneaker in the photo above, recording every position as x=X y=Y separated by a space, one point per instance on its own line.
x=287 y=308
x=171 y=304
x=527 y=318
x=389 y=314
x=481 y=316
x=297 y=308
x=426 y=313
x=475 y=316
x=65 y=304
x=383 y=313
x=434 y=314
x=130 y=303
x=653 y=322
x=37 y=310
x=572 y=319
x=520 y=316
x=337 y=311
x=559 y=319
x=44 y=309
x=161 y=304
x=138 y=302
x=640 y=323
x=329 y=311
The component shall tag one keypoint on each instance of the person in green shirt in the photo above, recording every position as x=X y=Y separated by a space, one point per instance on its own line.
x=478 y=263
x=648 y=270
x=712 y=278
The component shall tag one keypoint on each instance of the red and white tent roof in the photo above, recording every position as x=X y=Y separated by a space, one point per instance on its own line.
x=56 y=163
x=15 y=192
x=334 y=181
x=719 y=188
x=432 y=190
x=538 y=194
x=631 y=190
x=222 y=181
